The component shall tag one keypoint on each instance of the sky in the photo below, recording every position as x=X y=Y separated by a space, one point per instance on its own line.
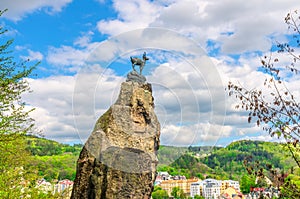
x=195 y=47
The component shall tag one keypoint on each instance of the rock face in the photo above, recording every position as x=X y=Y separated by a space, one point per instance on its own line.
x=135 y=77
x=119 y=158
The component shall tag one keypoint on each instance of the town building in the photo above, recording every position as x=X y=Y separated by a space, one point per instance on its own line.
x=161 y=176
x=195 y=189
x=211 y=188
x=258 y=192
x=64 y=187
x=231 y=193
x=184 y=185
x=230 y=183
x=44 y=186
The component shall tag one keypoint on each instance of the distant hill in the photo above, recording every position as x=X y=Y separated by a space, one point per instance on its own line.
x=227 y=162
x=58 y=161
x=53 y=160
x=45 y=147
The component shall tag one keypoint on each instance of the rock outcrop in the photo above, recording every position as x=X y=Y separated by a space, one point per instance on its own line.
x=119 y=158
x=135 y=77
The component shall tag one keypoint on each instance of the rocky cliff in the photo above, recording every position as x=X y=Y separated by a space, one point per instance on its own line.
x=119 y=158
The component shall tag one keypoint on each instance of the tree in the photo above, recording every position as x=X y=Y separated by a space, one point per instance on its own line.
x=177 y=193
x=261 y=182
x=274 y=106
x=198 y=197
x=247 y=181
x=14 y=120
x=159 y=193
x=17 y=180
x=292 y=182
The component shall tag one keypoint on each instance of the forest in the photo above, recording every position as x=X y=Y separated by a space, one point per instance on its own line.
x=56 y=161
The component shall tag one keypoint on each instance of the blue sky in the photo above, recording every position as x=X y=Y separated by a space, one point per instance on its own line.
x=195 y=48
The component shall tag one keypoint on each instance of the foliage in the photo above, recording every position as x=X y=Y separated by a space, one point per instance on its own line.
x=177 y=193
x=202 y=150
x=54 y=161
x=247 y=181
x=291 y=183
x=231 y=158
x=14 y=119
x=168 y=154
x=159 y=193
x=57 y=167
x=278 y=177
x=228 y=162
x=199 y=197
x=190 y=166
x=61 y=163
x=17 y=176
x=275 y=106
x=44 y=147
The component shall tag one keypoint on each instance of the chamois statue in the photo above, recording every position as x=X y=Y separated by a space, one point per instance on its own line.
x=139 y=62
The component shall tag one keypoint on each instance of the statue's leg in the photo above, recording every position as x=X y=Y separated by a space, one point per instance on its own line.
x=141 y=68
x=133 y=67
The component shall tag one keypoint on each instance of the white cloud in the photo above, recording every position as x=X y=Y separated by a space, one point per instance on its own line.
x=52 y=99
x=250 y=23
x=200 y=133
x=68 y=106
x=33 y=55
x=132 y=14
x=84 y=41
x=66 y=56
x=19 y=8
x=184 y=95
x=188 y=85
x=69 y=58
x=180 y=15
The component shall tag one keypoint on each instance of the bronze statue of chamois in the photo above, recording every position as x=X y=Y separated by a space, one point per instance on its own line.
x=139 y=62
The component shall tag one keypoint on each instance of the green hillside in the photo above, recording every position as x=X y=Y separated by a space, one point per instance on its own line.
x=56 y=161
x=53 y=160
x=227 y=163
x=265 y=152
x=168 y=154
x=43 y=147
